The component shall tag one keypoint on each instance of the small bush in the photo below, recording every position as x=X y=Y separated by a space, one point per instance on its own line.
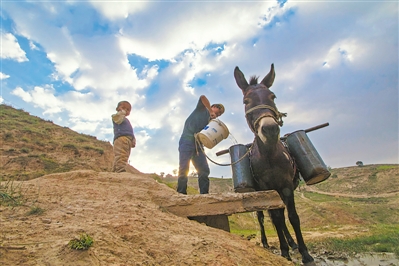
x=25 y=150
x=81 y=139
x=34 y=210
x=10 y=193
x=39 y=143
x=8 y=136
x=84 y=242
x=373 y=176
x=99 y=150
x=69 y=146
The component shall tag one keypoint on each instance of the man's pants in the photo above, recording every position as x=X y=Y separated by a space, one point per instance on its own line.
x=188 y=152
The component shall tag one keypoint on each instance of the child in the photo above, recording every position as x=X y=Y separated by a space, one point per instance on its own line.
x=124 y=139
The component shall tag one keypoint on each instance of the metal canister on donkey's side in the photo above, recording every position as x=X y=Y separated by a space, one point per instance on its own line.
x=308 y=160
x=241 y=169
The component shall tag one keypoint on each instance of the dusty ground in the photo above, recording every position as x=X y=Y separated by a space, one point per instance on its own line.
x=128 y=227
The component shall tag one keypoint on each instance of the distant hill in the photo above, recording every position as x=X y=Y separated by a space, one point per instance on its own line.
x=31 y=147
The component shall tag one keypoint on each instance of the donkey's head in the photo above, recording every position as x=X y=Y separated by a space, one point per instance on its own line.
x=260 y=110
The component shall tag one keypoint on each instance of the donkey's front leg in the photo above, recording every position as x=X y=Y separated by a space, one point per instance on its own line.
x=307 y=259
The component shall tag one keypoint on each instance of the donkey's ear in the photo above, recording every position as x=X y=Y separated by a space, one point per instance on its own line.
x=269 y=79
x=240 y=79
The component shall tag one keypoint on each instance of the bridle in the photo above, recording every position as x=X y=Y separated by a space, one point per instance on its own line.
x=277 y=116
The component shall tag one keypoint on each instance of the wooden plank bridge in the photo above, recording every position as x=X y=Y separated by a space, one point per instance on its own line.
x=214 y=209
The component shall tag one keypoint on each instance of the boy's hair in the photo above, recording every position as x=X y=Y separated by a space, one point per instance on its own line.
x=126 y=103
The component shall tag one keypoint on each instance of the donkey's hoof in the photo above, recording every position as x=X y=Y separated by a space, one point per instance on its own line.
x=308 y=260
x=286 y=255
x=311 y=263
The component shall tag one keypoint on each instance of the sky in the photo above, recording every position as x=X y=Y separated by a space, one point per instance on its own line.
x=71 y=62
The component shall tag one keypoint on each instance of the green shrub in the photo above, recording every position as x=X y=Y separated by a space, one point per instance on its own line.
x=84 y=242
x=10 y=193
x=8 y=136
x=34 y=210
x=99 y=150
x=69 y=146
x=373 y=176
x=25 y=150
x=81 y=139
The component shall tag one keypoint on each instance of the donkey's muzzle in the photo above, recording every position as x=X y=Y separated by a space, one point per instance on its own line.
x=268 y=129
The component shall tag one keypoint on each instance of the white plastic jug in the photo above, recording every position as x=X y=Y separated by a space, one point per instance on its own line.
x=213 y=133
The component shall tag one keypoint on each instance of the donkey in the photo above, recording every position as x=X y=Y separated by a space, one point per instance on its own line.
x=271 y=164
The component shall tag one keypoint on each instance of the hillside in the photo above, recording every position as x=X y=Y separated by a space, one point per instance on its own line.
x=60 y=186
x=31 y=147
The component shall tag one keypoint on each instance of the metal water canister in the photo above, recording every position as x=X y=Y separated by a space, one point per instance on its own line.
x=308 y=160
x=242 y=176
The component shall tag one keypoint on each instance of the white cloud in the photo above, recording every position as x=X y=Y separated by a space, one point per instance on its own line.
x=40 y=97
x=22 y=94
x=115 y=10
x=83 y=126
x=182 y=27
x=3 y=76
x=33 y=46
x=10 y=48
x=347 y=51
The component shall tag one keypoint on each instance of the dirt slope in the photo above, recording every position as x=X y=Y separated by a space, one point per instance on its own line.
x=128 y=228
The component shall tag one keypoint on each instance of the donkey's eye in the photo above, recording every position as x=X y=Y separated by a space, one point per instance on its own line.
x=247 y=101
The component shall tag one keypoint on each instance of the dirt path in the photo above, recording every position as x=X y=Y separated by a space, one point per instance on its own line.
x=382 y=195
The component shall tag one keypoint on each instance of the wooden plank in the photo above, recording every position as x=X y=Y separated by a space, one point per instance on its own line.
x=226 y=203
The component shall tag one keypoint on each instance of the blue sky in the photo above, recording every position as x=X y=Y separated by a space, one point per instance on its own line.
x=336 y=61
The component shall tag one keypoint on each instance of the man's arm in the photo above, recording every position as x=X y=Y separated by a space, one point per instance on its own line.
x=206 y=103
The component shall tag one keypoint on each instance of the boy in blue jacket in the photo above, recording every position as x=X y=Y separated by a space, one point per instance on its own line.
x=124 y=139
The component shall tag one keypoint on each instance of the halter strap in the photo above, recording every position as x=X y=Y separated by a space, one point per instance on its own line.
x=278 y=117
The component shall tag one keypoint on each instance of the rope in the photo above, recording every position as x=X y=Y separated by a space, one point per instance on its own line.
x=262 y=106
x=278 y=116
x=199 y=144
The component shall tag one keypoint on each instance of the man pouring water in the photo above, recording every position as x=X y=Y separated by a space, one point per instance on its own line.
x=188 y=151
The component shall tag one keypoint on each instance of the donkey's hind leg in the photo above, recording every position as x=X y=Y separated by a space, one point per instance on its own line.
x=288 y=237
x=261 y=220
x=277 y=216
